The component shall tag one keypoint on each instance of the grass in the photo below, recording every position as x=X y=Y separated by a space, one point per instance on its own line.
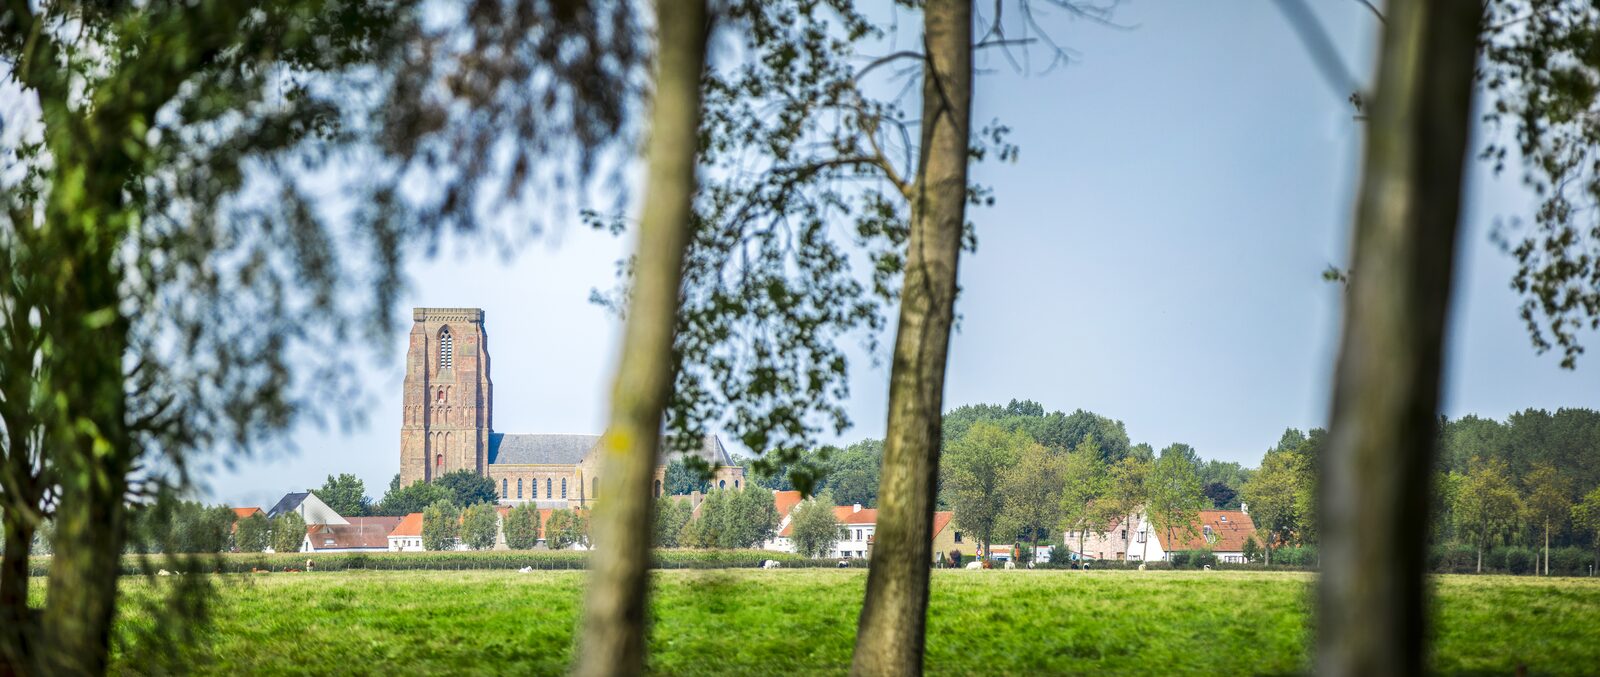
x=802 y=622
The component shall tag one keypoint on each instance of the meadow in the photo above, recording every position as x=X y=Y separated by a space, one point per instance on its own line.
x=742 y=621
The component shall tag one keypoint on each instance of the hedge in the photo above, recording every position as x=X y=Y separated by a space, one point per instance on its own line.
x=491 y=559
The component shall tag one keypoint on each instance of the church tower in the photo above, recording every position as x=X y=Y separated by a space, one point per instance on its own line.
x=448 y=401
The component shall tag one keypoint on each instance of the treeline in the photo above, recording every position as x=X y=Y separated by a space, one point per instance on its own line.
x=1017 y=472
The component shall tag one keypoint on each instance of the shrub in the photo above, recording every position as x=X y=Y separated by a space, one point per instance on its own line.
x=1452 y=558
x=1514 y=559
x=288 y=532
x=1299 y=556
x=1178 y=558
x=1570 y=561
x=1060 y=556
x=1202 y=558
x=453 y=559
x=1251 y=550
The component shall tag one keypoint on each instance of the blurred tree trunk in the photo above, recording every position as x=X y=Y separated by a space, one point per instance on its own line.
x=889 y=640
x=1377 y=474
x=614 y=632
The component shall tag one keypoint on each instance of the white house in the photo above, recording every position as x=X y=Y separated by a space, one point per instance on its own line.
x=407 y=536
x=1136 y=538
x=308 y=506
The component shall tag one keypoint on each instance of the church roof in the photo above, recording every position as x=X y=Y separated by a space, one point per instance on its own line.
x=521 y=449
x=556 y=449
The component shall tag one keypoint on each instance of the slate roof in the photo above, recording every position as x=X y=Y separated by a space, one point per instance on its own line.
x=521 y=449
x=289 y=502
x=557 y=449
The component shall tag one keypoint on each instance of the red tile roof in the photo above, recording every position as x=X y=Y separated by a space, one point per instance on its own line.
x=1231 y=528
x=243 y=513
x=410 y=526
x=940 y=519
x=369 y=532
x=785 y=501
x=847 y=514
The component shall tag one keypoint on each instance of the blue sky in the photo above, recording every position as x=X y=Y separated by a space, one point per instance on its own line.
x=1154 y=256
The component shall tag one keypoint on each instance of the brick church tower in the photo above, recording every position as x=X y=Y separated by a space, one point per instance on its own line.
x=448 y=396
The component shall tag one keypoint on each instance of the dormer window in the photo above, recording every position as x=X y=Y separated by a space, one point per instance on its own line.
x=447 y=349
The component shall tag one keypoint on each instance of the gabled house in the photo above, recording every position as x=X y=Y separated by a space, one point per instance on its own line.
x=360 y=534
x=407 y=535
x=308 y=506
x=857 y=528
x=1136 y=538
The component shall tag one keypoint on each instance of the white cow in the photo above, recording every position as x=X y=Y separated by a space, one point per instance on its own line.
x=1010 y=564
x=974 y=565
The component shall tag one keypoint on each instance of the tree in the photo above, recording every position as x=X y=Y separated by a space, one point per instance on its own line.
x=813 y=526
x=1586 y=516
x=1271 y=493
x=1084 y=504
x=973 y=467
x=1175 y=493
x=729 y=518
x=480 y=524
x=1375 y=476
x=1125 y=492
x=890 y=634
x=254 y=534
x=415 y=498
x=288 y=532
x=468 y=488
x=615 y=608
x=682 y=480
x=441 y=526
x=672 y=515
x=851 y=474
x=1547 y=502
x=1032 y=490
x=1486 y=505
x=1251 y=550
x=346 y=494
x=522 y=527
x=564 y=529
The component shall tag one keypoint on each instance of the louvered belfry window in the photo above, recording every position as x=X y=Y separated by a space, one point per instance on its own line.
x=447 y=349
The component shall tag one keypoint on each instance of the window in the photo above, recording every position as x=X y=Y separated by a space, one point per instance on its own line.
x=722 y=484
x=519 y=487
x=958 y=537
x=438 y=460
x=447 y=349
x=858 y=534
x=736 y=484
x=503 y=492
x=1140 y=539
x=1207 y=530
x=563 y=487
x=550 y=493
x=1124 y=535
x=658 y=487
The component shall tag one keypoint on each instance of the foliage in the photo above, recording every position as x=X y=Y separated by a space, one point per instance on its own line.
x=1486 y=504
x=1055 y=430
x=441 y=526
x=1271 y=493
x=1084 y=504
x=1251 y=549
x=564 y=529
x=971 y=469
x=1586 y=516
x=400 y=502
x=730 y=518
x=346 y=494
x=1174 y=492
x=173 y=526
x=813 y=527
x=1031 y=491
x=522 y=527
x=672 y=514
x=468 y=488
x=480 y=524
x=682 y=480
x=288 y=532
x=253 y=534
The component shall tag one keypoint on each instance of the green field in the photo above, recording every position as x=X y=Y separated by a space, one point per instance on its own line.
x=802 y=622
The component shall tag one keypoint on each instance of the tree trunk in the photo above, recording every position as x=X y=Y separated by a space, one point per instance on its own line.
x=614 y=632
x=889 y=639
x=1480 y=560
x=17 y=622
x=1376 y=479
x=1547 y=546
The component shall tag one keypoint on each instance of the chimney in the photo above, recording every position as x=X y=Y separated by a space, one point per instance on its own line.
x=1244 y=507
x=856 y=508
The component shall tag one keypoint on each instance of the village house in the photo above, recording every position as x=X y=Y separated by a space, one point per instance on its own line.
x=359 y=534
x=308 y=506
x=407 y=536
x=857 y=526
x=1136 y=538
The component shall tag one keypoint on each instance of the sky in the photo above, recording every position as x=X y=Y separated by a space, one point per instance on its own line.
x=1154 y=255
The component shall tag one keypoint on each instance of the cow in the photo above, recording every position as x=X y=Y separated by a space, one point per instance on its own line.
x=975 y=565
x=770 y=564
